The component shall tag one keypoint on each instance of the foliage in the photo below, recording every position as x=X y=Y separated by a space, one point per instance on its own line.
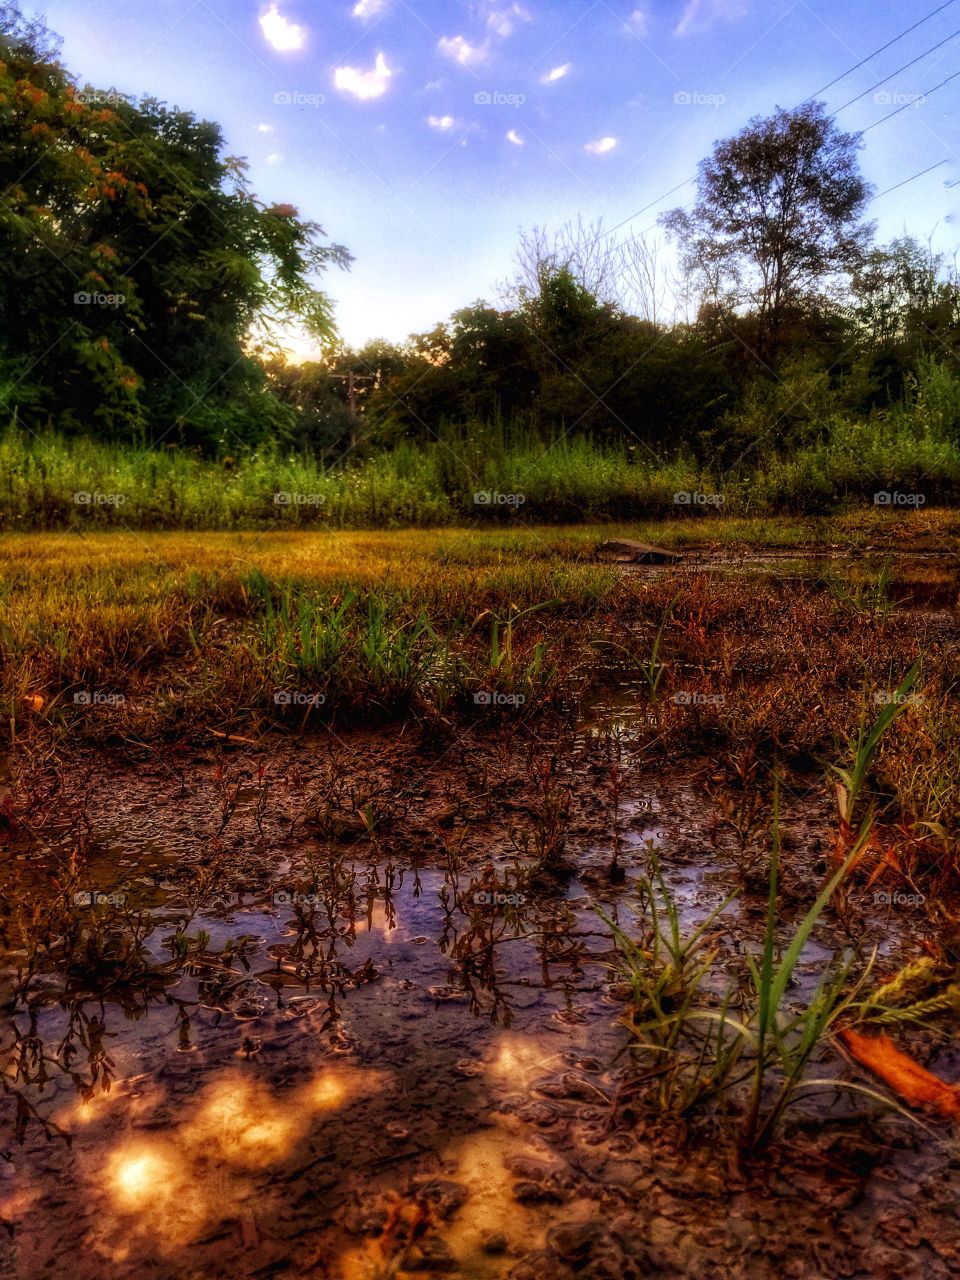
x=138 y=263
x=777 y=217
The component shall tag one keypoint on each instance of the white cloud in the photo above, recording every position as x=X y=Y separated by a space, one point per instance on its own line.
x=364 y=84
x=280 y=34
x=639 y=22
x=700 y=14
x=601 y=146
x=462 y=50
x=367 y=9
x=514 y=137
x=557 y=73
x=274 y=158
x=264 y=128
x=443 y=123
x=503 y=22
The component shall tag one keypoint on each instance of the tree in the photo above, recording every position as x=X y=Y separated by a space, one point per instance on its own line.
x=583 y=250
x=777 y=221
x=903 y=294
x=140 y=267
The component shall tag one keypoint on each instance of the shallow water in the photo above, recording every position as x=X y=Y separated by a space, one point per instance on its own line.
x=273 y=1080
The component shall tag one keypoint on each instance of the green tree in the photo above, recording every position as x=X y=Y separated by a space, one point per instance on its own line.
x=141 y=269
x=777 y=225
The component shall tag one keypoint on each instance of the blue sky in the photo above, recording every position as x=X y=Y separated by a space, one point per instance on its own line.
x=425 y=134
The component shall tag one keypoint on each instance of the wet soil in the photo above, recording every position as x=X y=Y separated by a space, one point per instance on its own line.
x=362 y=1085
x=354 y=1101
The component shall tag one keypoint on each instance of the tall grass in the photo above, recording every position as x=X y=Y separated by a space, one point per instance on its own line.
x=453 y=479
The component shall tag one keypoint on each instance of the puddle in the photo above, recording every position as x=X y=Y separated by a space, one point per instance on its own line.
x=913 y=580
x=335 y=1058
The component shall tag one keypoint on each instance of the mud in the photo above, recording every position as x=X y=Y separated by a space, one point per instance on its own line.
x=355 y=1067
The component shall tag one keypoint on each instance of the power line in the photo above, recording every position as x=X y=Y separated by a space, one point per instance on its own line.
x=913 y=179
x=926 y=94
x=871 y=56
x=850 y=70
x=885 y=192
x=680 y=185
x=913 y=62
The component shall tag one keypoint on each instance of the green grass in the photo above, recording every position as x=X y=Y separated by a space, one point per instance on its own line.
x=569 y=479
x=749 y=1048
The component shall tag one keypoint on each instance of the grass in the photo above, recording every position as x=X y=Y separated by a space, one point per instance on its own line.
x=867 y=742
x=177 y=634
x=750 y=1048
x=50 y=482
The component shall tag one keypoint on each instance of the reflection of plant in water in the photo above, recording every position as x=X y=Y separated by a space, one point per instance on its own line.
x=615 y=872
x=99 y=947
x=85 y=1032
x=492 y=911
x=76 y=956
x=326 y=902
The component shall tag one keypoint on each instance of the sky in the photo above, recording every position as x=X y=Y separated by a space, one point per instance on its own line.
x=426 y=134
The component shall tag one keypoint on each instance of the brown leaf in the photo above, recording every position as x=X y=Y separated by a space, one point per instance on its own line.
x=914 y=1084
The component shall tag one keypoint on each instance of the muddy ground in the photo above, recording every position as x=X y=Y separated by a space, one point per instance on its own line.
x=360 y=1086
x=354 y=1098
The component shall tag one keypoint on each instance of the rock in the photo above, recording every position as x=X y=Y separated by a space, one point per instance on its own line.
x=536 y=1193
x=495 y=1243
x=531 y=1169
x=536 y=1113
x=574 y=1242
x=429 y=1254
x=443 y=1196
x=626 y=551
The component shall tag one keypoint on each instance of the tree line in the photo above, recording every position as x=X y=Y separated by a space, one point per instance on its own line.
x=143 y=285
